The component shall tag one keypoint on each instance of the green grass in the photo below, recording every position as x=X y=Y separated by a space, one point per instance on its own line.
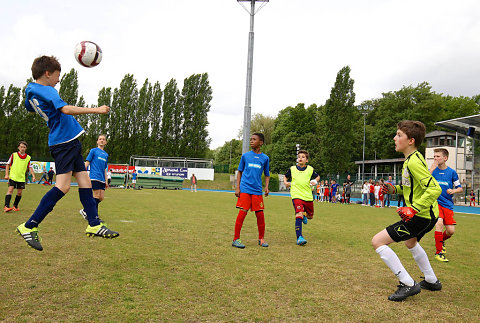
x=173 y=262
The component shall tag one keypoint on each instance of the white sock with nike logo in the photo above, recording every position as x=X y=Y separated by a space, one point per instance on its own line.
x=393 y=262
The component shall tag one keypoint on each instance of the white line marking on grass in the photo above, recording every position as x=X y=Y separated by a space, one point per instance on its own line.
x=126 y=221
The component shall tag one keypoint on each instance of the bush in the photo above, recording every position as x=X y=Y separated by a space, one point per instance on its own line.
x=274 y=184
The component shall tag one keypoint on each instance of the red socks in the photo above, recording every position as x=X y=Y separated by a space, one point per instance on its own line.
x=260 y=224
x=438 y=241
x=445 y=236
x=239 y=223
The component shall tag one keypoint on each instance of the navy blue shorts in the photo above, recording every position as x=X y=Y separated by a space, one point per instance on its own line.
x=68 y=157
x=97 y=185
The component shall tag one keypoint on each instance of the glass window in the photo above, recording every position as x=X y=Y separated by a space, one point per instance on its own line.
x=430 y=142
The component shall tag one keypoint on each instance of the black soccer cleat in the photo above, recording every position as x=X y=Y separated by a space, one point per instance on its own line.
x=404 y=291
x=431 y=286
x=101 y=231
x=30 y=236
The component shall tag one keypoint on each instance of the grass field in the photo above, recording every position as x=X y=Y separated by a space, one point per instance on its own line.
x=173 y=262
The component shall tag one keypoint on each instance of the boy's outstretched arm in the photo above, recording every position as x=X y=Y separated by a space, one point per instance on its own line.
x=73 y=110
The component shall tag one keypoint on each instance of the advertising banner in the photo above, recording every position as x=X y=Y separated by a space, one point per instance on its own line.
x=122 y=169
x=175 y=171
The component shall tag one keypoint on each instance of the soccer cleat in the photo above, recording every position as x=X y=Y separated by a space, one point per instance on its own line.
x=83 y=213
x=305 y=220
x=301 y=241
x=238 y=244
x=404 y=291
x=431 y=286
x=30 y=236
x=441 y=257
x=444 y=250
x=262 y=243
x=15 y=209
x=7 y=209
x=101 y=231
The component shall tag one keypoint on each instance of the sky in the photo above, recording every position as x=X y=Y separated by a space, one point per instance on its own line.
x=299 y=48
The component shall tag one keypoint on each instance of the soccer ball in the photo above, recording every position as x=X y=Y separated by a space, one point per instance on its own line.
x=88 y=53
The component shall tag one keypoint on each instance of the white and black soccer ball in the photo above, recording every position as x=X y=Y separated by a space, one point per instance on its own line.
x=88 y=54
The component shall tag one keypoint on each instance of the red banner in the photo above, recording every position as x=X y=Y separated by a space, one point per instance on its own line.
x=122 y=169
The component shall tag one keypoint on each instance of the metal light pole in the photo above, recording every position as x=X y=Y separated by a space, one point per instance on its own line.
x=247 y=112
x=364 y=109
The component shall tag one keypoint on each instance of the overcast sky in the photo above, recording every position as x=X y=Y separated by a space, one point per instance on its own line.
x=299 y=47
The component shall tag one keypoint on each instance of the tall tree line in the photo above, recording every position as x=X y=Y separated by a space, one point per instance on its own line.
x=333 y=132
x=148 y=121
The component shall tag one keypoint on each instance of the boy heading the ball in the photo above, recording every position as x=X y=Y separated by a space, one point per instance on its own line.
x=65 y=148
x=448 y=180
x=15 y=170
x=299 y=178
x=249 y=188
x=421 y=191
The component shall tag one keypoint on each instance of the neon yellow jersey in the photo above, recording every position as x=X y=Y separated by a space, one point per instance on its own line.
x=300 y=187
x=419 y=188
x=19 y=167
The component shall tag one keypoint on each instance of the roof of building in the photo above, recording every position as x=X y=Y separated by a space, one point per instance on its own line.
x=463 y=124
x=439 y=133
x=380 y=161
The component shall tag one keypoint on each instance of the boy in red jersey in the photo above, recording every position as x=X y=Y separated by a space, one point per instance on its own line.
x=249 y=188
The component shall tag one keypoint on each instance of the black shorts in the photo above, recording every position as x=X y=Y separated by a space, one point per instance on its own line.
x=97 y=185
x=417 y=227
x=68 y=157
x=17 y=185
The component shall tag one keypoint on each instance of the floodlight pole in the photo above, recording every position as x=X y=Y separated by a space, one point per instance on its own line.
x=247 y=111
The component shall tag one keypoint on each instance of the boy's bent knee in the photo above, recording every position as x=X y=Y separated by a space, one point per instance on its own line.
x=63 y=188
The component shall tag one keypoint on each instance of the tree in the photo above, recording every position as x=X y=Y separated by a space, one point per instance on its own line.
x=337 y=121
x=69 y=87
x=171 y=120
x=155 y=117
x=196 y=97
x=123 y=119
x=263 y=124
x=294 y=125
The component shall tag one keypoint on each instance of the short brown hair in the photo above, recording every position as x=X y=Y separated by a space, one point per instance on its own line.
x=302 y=151
x=43 y=64
x=441 y=150
x=22 y=142
x=413 y=129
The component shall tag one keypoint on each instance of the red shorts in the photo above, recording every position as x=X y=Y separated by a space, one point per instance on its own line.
x=446 y=215
x=250 y=202
x=302 y=206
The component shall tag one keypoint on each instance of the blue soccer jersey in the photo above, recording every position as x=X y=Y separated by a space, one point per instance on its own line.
x=46 y=102
x=447 y=179
x=334 y=188
x=98 y=159
x=252 y=166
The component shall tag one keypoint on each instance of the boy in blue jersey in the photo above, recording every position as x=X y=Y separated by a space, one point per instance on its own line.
x=249 y=188
x=421 y=191
x=448 y=179
x=97 y=160
x=299 y=178
x=334 y=189
x=42 y=98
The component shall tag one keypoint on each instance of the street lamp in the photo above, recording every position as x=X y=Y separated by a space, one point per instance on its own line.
x=248 y=95
x=364 y=109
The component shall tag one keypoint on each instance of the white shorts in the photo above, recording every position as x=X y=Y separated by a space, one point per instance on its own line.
x=134 y=181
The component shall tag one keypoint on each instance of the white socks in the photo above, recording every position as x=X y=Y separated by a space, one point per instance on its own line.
x=393 y=262
x=423 y=263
